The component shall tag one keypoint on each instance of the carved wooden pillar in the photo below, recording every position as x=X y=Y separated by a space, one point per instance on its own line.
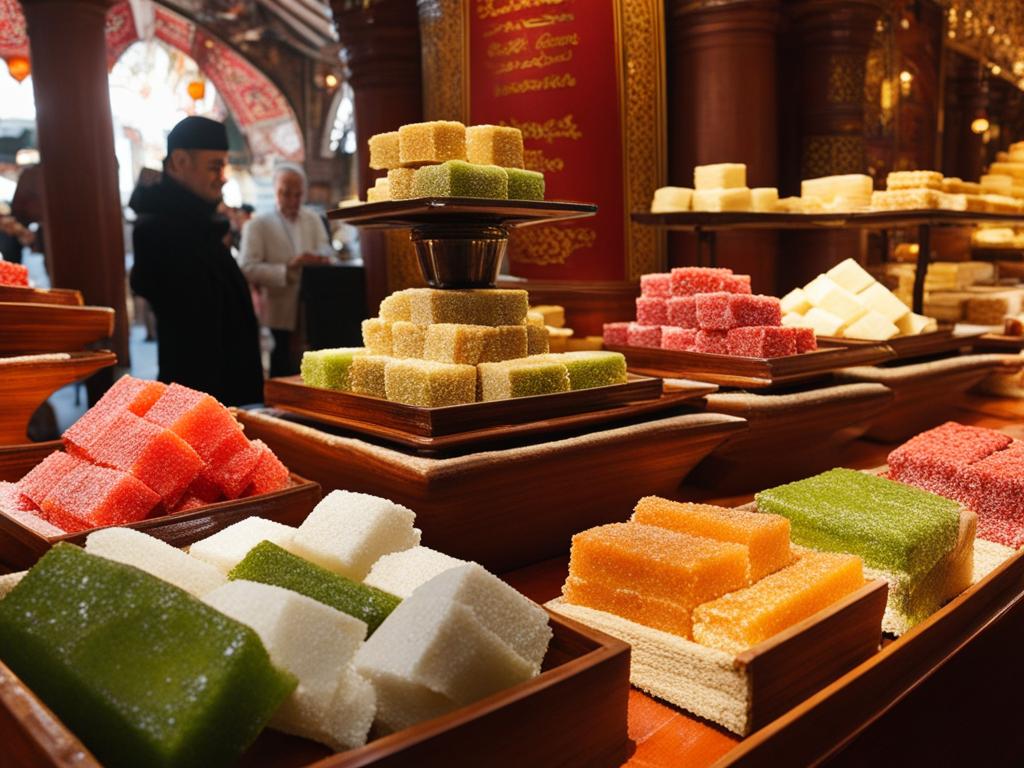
x=380 y=45
x=966 y=98
x=76 y=143
x=722 y=101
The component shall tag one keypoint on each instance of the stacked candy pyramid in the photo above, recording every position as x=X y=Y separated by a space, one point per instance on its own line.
x=154 y=656
x=698 y=309
x=436 y=348
x=145 y=449
x=13 y=274
x=444 y=158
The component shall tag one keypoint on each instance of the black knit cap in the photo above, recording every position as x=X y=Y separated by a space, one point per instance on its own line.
x=198 y=133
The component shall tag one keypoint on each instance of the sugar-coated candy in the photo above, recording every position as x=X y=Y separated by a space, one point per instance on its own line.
x=384 y=151
x=400 y=573
x=495 y=145
x=196 y=417
x=826 y=295
x=228 y=547
x=397 y=307
x=92 y=496
x=762 y=341
x=880 y=299
x=741 y=619
x=142 y=672
x=268 y=563
x=270 y=473
x=689 y=281
x=508 y=342
x=616 y=334
x=346 y=722
x=457 y=178
x=23 y=511
x=479 y=306
x=366 y=375
x=737 y=199
x=671 y=199
x=429 y=384
x=380 y=191
x=651 y=310
x=231 y=466
x=823 y=323
x=348 y=532
x=433 y=142
x=535 y=318
x=850 y=275
x=712 y=342
x=377 y=336
x=589 y=369
x=407 y=339
x=13 y=274
x=682 y=311
x=795 y=301
x=524 y=185
x=678 y=339
x=933 y=459
x=871 y=325
x=736 y=284
x=47 y=474
x=764 y=199
x=537 y=340
x=994 y=488
x=521 y=378
x=400 y=183
x=657 y=285
x=722 y=311
x=638 y=335
x=553 y=314
x=328 y=368
x=805 y=339
x=127 y=393
x=720 y=176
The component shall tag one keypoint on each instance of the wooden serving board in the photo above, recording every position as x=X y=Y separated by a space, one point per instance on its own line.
x=32 y=328
x=21 y=547
x=751 y=372
x=63 y=296
x=573 y=714
x=998 y=342
x=26 y=382
x=383 y=418
x=938 y=342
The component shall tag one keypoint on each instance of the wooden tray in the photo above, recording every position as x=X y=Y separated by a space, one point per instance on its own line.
x=479 y=424
x=729 y=220
x=28 y=382
x=751 y=372
x=998 y=342
x=511 y=507
x=925 y=394
x=64 y=296
x=573 y=714
x=749 y=690
x=789 y=436
x=397 y=214
x=17 y=460
x=21 y=547
x=28 y=328
x=923 y=345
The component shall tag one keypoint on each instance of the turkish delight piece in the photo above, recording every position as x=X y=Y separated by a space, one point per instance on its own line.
x=481 y=306
x=720 y=176
x=429 y=384
x=400 y=183
x=656 y=285
x=400 y=573
x=678 y=339
x=127 y=393
x=524 y=185
x=764 y=199
x=92 y=496
x=638 y=335
x=823 y=323
x=762 y=341
x=933 y=459
x=795 y=301
x=384 y=151
x=508 y=342
x=722 y=311
x=23 y=511
x=689 y=281
x=521 y=378
x=881 y=300
x=616 y=334
x=722 y=200
x=589 y=369
x=872 y=326
x=994 y=488
x=228 y=547
x=457 y=178
x=397 y=307
x=13 y=274
x=48 y=474
x=366 y=375
x=826 y=295
x=232 y=464
x=408 y=339
x=495 y=145
x=682 y=311
x=380 y=191
x=651 y=310
x=328 y=368
x=196 y=417
x=736 y=284
x=671 y=199
x=433 y=142
x=377 y=336
x=270 y=473
x=712 y=342
x=912 y=324
x=850 y=275
x=553 y=314
x=537 y=340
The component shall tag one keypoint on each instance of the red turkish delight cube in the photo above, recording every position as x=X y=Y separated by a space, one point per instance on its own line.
x=712 y=342
x=196 y=417
x=651 y=311
x=47 y=474
x=679 y=339
x=93 y=496
x=127 y=394
x=658 y=284
x=270 y=473
x=682 y=311
x=806 y=341
x=644 y=335
x=762 y=341
x=689 y=281
x=616 y=334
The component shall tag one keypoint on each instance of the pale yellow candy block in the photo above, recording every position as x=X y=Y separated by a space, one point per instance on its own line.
x=719 y=176
x=764 y=199
x=997 y=183
x=824 y=323
x=824 y=294
x=384 y=151
x=396 y=307
x=852 y=190
x=672 y=199
x=377 y=336
x=537 y=340
x=533 y=317
x=457 y=342
x=873 y=326
x=880 y=299
x=551 y=314
x=794 y=301
x=434 y=142
x=366 y=374
x=912 y=325
x=502 y=381
x=428 y=383
x=913 y=180
x=795 y=320
x=494 y=145
x=508 y=343
x=380 y=192
x=851 y=276
x=407 y=339
x=720 y=200
x=482 y=306
x=400 y=183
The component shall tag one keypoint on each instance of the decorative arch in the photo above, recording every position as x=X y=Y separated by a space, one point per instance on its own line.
x=261 y=111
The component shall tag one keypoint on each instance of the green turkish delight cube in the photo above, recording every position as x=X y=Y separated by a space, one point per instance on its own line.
x=457 y=178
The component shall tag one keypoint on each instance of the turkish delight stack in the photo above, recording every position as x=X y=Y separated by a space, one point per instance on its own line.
x=720 y=187
x=981 y=468
x=436 y=348
x=915 y=190
x=712 y=310
x=13 y=274
x=847 y=302
x=145 y=449
x=155 y=656
x=444 y=158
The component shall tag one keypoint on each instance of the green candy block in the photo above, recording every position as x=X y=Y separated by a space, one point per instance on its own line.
x=894 y=527
x=592 y=368
x=328 y=368
x=457 y=178
x=139 y=670
x=521 y=378
x=268 y=563
x=525 y=185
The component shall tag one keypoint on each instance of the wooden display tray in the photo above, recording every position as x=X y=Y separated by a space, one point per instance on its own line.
x=573 y=714
x=510 y=507
x=15 y=293
x=21 y=547
x=383 y=418
x=751 y=372
x=998 y=342
x=17 y=460
x=30 y=328
x=398 y=214
x=747 y=691
x=25 y=385
x=923 y=345
x=729 y=220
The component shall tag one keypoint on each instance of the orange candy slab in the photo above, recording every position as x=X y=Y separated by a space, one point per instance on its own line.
x=765 y=536
x=744 y=618
x=665 y=615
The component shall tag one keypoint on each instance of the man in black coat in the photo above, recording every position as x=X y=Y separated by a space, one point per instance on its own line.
x=207 y=331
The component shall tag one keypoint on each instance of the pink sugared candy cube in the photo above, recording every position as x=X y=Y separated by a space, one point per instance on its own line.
x=644 y=335
x=13 y=274
x=712 y=342
x=806 y=341
x=762 y=341
x=678 y=339
x=736 y=284
x=657 y=284
x=93 y=496
x=689 y=281
x=994 y=488
x=270 y=474
x=47 y=474
x=127 y=394
x=651 y=311
x=616 y=334
x=933 y=459
x=682 y=311
x=19 y=508
x=232 y=464
x=721 y=311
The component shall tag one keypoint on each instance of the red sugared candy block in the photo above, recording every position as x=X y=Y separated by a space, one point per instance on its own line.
x=156 y=456
x=933 y=459
x=644 y=335
x=189 y=502
x=127 y=394
x=93 y=496
x=205 y=489
x=721 y=311
x=232 y=464
x=682 y=311
x=270 y=474
x=658 y=284
x=651 y=311
x=679 y=339
x=689 y=281
x=197 y=418
x=994 y=488
x=712 y=342
x=13 y=274
x=762 y=341
x=47 y=475
x=616 y=334
x=736 y=284
x=806 y=341
x=19 y=508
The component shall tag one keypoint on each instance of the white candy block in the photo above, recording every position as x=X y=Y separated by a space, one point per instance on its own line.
x=852 y=190
x=824 y=323
x=851 y=276
x=824 y=294
x=401 y=703
x=720 y=176
x=795 y=320
x=671 y=199
x=227 y=548
x=9 y=581
x=155 y=557
x=912 y=325
x=871 y=326
x=735 y=199
x=765 y=199
x=1014 y=170
x=997 y=184
x=880 y=299
x=348 y=532
x=347 y=720
x=400 y=573
x=795 y=301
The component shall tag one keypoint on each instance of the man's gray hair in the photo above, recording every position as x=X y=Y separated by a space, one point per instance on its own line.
x=295 y=168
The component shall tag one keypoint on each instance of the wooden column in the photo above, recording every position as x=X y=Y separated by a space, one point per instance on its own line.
x=380 y=46
x=722 y=104
x=76 y=143
x=966 y=98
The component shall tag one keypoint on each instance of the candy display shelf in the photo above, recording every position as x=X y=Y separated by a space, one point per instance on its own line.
x=706 y=224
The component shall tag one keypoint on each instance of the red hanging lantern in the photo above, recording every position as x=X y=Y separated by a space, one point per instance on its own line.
x=197 y=89
x=19 y=67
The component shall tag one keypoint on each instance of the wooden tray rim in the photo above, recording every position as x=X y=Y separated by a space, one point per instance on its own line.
x=63 y=296
x=397 y=214
x=73 y=359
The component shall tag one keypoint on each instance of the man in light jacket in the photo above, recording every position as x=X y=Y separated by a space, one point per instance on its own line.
x=275 y=247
